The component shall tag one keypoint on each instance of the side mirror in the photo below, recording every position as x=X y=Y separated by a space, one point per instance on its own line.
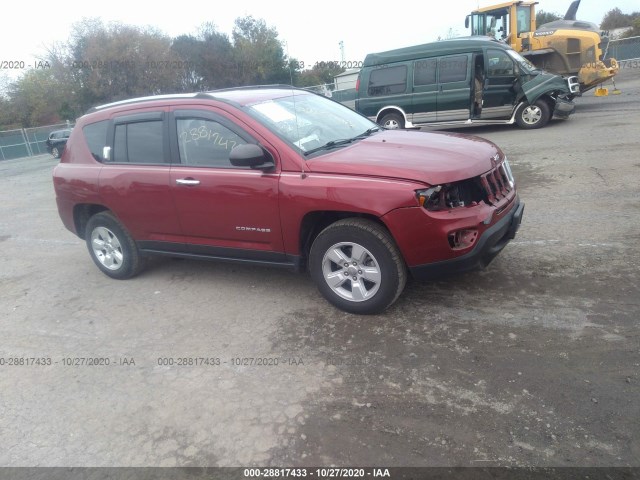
x=251 y=155
x=466 y=22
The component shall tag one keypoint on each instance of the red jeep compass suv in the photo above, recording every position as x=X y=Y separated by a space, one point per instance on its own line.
x=284 y=177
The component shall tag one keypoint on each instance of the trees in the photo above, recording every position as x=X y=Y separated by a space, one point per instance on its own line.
x=319 y=74
x=257 y=53
x=543 y=17
x=101 y=63
x=614 y=18
x=33 y=99
x=119 y=61
x=206 y=59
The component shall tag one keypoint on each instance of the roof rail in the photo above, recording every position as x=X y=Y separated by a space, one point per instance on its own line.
x=202 y=95
x=254 y=87
x=150 y=98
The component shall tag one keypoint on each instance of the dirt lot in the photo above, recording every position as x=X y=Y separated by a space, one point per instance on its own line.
x=532 y=362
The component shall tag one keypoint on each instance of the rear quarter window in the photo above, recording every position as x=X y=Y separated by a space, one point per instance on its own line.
x=95 y=134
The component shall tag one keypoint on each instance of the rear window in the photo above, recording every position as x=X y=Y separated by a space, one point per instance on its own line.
x=388 y=81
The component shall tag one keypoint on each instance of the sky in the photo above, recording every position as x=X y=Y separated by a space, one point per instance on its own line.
x=312 y=31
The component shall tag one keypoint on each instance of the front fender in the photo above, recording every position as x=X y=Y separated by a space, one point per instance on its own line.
x=542 y=84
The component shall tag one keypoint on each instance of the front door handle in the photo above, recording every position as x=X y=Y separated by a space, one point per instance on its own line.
x=188 y=181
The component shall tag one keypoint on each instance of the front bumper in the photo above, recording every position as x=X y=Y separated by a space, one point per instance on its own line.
x=563 y=108
x=492 y=241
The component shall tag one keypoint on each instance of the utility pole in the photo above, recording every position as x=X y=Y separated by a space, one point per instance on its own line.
x=341 y=43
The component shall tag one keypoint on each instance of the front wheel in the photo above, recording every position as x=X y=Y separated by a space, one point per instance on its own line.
x=533 y=116
x=55 y=152
x=392 y=121
x=111 y=247
x=357 y=266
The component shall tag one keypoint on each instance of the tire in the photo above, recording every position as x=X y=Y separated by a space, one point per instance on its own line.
x=533 y=116
x=375 y=274
x=392 y=121
x=55 y=152
x=111 y=246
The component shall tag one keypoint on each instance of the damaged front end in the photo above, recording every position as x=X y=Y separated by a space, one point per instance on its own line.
x=476 y=218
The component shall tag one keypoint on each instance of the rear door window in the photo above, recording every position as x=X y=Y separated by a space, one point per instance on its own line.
x=424 y=71
x=453 y=68
x=139 y=142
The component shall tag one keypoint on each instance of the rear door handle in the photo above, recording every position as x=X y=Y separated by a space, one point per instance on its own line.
x=188 y=181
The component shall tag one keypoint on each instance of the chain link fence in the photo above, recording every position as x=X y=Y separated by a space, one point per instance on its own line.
x=624 y=49
x=27 y=142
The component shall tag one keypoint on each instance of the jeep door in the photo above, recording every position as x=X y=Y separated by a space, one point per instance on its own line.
x=224 y=210
x=499 y=93
x=134 y=179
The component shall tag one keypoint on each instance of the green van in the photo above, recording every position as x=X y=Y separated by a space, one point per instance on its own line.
x=463 y=81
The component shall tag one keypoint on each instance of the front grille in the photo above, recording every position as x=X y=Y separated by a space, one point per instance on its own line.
x=490 y=188
x=496 y=185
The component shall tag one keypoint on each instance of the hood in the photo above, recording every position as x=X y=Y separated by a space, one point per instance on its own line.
x=542 y=83
x=432 y=158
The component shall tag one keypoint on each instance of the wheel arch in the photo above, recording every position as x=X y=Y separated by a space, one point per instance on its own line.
x=315 y=222
x=391 y=109
x=81 y=215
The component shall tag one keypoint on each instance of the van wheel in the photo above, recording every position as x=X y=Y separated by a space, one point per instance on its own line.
x=111 y=246
x=357 y=266
x=392 y=121
x=533 y=116
x=55 y=152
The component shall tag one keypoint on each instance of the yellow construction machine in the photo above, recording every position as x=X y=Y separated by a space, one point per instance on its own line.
x=565 y=47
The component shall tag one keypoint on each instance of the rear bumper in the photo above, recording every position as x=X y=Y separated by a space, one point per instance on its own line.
x=492 y=241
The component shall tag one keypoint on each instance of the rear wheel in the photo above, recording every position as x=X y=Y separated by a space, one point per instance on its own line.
x=392 y=121
x=357 y=266
x=111 y=247
x=533 y=116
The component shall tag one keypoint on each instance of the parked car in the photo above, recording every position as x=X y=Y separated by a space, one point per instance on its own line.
x=287 y=178
x=463 y=81
x=57 y=141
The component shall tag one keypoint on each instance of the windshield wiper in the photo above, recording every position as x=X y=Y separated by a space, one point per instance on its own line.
x=331 y=144
x=368 y=132
x=337 y=143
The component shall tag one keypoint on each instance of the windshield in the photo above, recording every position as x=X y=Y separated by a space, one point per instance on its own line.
x=311 y=122
x=525 y=64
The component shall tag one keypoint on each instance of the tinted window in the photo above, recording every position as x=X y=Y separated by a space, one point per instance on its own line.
x=453 y=69
x=139 y=142
x=96 y=138
x=500 y=63
x=424 y=71
x=388 y=81
x=206 y=143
